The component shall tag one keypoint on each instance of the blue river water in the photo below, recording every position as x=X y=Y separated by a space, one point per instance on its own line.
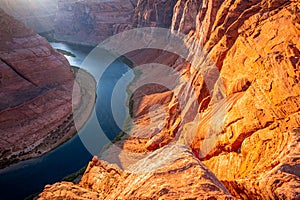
x=29 y=177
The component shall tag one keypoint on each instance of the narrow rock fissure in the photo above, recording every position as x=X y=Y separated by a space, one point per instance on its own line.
x=17 y=72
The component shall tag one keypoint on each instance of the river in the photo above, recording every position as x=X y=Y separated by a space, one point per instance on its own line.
x=30 y=176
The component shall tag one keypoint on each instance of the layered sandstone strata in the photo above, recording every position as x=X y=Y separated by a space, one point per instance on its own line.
x=36 y=86
x=91 y=22
x=153 y=13
x=236 y=107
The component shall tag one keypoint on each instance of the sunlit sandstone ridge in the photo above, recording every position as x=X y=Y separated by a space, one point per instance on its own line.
x=36 y=85
x=248 y=129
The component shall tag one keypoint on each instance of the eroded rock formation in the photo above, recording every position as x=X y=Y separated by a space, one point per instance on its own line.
x=36 y=86
x=153 y=13
x=91 y=22
x=180 y=175
x=243 y=120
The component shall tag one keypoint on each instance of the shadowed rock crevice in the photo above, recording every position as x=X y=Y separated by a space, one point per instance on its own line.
x=17 y=72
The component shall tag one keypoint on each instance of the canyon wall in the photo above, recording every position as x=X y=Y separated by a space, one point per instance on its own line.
x=234 y=111
x=255 y=46
x=153 y=13
x=36 y=86
x=91 y=22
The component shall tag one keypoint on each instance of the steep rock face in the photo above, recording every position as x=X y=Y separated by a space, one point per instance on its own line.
x=246 y=110
x=145 y=180
x=37 y=15
x=91 y=22
x=154 y=13
x=185 y=12
x=256 y=47
x=36 y=94
x=240 y=115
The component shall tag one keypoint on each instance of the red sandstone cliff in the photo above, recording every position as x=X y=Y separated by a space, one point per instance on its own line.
x=153 y=13
x=242 y=125
x=36 y=85
x=91 y=22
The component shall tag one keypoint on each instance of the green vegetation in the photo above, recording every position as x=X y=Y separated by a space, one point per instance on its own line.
x=75 y=70
x=32 y=196
x=66 y=53
x=119 y=137
x=75 y=175
x=130 y=106
x=70 y=178
x=126 y=61
x=49 y=36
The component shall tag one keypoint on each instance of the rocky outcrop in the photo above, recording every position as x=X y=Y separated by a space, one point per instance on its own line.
x=37 y=15
x=36 y=86
x=151 y=178
x=236 y=104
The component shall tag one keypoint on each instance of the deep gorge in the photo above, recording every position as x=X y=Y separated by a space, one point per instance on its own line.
x=229 y=126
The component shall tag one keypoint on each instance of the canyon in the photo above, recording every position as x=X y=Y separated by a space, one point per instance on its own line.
x=38 y=103
x=227 y=129
x=237 y=138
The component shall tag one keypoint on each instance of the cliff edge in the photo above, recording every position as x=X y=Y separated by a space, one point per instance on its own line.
x=238 y=129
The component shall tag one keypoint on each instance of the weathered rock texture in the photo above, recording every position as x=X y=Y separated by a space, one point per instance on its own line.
x=36 y=85
x=153 y=13
x=91 y=22
x=39 y=15
x=179 y=176
x=256 y=47
x=243 y=120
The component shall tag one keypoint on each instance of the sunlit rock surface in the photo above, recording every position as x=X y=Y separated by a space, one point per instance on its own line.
x=240 y=116
x=179 y=176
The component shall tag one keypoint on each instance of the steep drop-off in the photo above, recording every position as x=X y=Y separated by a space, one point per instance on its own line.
x=240 y=116
x=36 y=87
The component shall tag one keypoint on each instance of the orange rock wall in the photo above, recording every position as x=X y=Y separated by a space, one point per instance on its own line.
x=243 y=122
